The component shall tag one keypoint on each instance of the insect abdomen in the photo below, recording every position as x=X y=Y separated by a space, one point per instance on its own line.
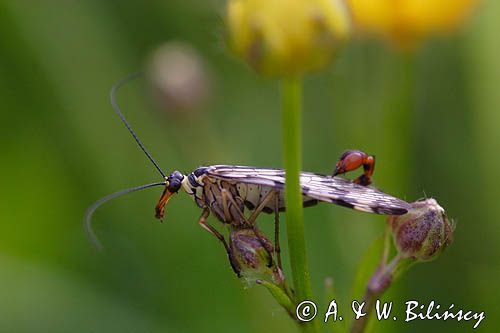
x=253 y=195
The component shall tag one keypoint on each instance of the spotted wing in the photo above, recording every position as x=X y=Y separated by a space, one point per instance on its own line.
x=335 y=190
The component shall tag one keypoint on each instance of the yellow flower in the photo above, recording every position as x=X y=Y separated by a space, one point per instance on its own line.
x=286 y=37
x=407 y=22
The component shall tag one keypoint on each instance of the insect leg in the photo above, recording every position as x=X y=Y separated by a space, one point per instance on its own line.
x=227 y=197
x=269 y=196
x=203 y=223
x=277 y=248
x=225 y=206
x=265 y=243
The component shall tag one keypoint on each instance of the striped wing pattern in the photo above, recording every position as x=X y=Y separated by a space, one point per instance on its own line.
x=320 y=187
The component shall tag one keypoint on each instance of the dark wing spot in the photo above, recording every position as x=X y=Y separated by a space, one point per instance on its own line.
x=343 y=203
x=338 y=191
x=310 y=203
x=389 y=211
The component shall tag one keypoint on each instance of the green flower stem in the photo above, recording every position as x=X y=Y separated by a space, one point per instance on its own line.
x=292 y=154
x=280 y=294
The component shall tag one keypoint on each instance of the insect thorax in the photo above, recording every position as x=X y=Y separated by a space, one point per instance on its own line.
x=206 y=191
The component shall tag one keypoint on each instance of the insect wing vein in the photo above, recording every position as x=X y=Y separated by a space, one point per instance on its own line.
x=325 y=188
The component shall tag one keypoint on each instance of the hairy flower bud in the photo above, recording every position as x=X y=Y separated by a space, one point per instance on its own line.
x=252 y=256
x=422 y=233
x=286 y=37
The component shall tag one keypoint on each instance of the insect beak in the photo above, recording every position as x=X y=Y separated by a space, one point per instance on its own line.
x=160 y=206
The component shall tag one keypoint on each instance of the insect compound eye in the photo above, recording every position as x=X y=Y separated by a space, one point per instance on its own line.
x=175 y=181
x=177 y=175
x=174 y=185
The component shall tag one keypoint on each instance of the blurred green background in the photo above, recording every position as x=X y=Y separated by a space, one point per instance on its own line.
x=431 y=120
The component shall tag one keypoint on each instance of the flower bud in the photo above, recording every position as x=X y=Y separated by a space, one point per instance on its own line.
x=422 y=233
x=286 y=37
x=179 y=78
x=250 y=258
x=407 y=22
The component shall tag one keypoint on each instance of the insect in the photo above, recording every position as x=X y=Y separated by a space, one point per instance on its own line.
x=227 y=190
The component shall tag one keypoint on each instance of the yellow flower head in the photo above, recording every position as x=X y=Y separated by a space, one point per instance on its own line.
x=407 y=22
x=286 y=37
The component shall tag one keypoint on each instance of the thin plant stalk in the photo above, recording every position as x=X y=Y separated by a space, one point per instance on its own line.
x=292 y=155
x=386 y=272
x=377 y=284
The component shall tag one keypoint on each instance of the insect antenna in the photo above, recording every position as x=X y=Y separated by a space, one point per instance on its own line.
x=114 y=89
x=90 y=211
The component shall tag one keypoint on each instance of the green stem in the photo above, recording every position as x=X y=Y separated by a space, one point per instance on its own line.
x=292 y=154
x=280 y=294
